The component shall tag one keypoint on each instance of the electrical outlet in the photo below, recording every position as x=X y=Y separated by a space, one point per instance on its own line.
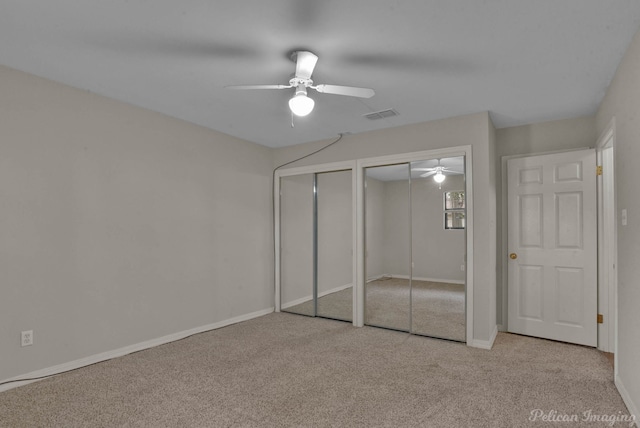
x=26 y=338
x=462 y=268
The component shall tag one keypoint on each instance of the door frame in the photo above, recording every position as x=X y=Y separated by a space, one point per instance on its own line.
x=504 y=253
x=504 y=241
x=406 y=158
x=357 y=168
x=547 y=255
x=312 y=169
x=607 y=243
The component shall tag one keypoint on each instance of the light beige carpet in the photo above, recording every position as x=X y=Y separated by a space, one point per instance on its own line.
x=285 y=370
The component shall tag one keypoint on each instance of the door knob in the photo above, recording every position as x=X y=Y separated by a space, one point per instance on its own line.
x=513 y=256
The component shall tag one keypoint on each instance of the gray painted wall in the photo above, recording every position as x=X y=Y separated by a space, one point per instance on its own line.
x=542 y=137
x=622 y=102
x=120 y=225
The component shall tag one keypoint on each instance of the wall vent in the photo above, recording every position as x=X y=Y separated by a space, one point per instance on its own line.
x=382 y=114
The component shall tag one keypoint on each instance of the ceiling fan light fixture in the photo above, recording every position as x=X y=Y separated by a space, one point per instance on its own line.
x=301 y=104
x=439 y=177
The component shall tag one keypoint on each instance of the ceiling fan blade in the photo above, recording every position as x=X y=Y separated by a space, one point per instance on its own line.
x=427 y=174
x=259 y=87
x=305 y=63
x=452 y=172
x=350 y=91
x=423 y=169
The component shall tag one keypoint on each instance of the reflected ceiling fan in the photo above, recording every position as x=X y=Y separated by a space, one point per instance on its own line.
x=439 y=172
x=300 y=104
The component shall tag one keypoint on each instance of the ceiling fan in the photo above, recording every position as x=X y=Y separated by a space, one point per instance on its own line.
x=300 y=104
x=439 y=172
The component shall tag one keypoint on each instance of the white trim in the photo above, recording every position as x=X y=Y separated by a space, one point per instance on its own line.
x=375 y=278
x=354 y=246
x=413 y=156
x=631 y=406
x=301 y=300
x=607 y=243
x=335 y=290
x=359 y=252
x=465 y=151
x=420 y=278
x=485 y=344
x=469 y=235
x=310 y=297
x=504 y=245
x=108 y=355
x=311 y=169
x=314 y=169
x=357 y=168
x=505 y=230
x=276 y=241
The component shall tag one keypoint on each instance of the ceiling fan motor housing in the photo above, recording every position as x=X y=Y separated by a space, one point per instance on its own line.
x=297 y=81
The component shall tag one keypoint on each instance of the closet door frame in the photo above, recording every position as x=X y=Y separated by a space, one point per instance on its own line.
x=357 y=168
x=312 y=169
x=361 y=164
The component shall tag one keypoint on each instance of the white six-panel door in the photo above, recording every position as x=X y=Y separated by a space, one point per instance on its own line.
x=552 y=273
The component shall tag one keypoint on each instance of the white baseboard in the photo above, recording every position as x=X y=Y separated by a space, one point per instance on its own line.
x=296 y=302
x=104 y=356
x=310 y=297
x=484 y=344
x=631 y=406
x=335 y=290
x=420 y=278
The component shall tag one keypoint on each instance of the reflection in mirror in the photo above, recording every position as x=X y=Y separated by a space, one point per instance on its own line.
x=296 y=242
x=334 y=241
x=438 y=248
x=387 y=247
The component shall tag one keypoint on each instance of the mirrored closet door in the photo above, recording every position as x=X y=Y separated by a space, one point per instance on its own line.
x=296 y=244
x=415 y=244
x=316 y=244
x=438 y=246
x=388 y=247
x=334 y=242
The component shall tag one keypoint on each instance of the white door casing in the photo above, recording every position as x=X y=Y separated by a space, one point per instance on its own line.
x=552 y=241
x=607 y=232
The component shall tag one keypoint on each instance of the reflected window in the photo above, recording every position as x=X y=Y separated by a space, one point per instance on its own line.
x=454 y=210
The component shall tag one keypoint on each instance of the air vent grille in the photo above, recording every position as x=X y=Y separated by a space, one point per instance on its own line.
x=382 y=114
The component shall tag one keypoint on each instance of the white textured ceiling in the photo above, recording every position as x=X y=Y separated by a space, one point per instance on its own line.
x=525 y=61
